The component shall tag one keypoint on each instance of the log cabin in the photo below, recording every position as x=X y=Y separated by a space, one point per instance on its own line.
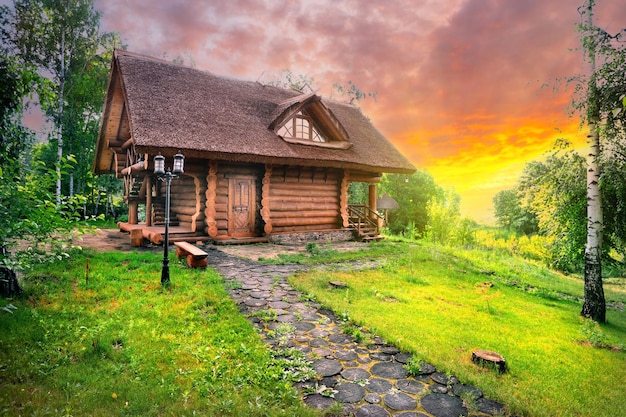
x=261 y=162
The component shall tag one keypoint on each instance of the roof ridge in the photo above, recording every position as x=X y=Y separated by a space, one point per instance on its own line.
x=117 y=52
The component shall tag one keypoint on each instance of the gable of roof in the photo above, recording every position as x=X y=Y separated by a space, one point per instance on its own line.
x=172 y=107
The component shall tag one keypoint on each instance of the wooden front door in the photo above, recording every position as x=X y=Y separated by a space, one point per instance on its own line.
x=241 y=207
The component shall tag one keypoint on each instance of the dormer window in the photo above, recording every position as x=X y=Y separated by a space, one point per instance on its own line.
x=301 y=127
x=305 y=120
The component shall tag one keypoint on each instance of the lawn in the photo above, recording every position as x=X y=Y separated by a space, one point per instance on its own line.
x=441 y=304
x=113 y=342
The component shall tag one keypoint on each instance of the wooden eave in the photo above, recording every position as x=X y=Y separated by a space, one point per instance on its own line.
x=114 y=135
x=362 y=172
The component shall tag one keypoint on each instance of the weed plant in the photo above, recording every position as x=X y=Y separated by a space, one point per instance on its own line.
x=116 y=343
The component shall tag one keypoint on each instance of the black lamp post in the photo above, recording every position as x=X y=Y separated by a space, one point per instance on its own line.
x=167 y=175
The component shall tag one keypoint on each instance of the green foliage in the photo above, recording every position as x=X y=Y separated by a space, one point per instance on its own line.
x=297 y=82
x=353 y=93
x=511 y=215
x=554 y=191
x=443 y=214
x=531 y=248
x=62 y=41
x=30 y=215
x=593 y=334
x=446 y=226
x=313 y=249
x=603 y=91
x=292 y=365
x=17 y=82
x=358 y=193
x=413 y=193
x=414 y=366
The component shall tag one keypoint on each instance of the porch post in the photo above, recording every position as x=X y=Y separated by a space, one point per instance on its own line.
x=132 y=212
x=372 y=200
x=148 y=180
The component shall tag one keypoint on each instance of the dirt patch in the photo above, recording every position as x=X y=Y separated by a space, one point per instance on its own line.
x=104 y=240
x=109 y=240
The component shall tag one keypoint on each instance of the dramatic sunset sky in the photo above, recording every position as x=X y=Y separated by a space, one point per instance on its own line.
x=461 y=83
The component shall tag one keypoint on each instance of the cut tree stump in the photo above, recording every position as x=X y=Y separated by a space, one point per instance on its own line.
x=489 y=359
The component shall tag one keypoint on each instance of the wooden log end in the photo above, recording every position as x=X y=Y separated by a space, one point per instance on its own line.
x=487 y=358
x=136 y=238
x=195 y=262
x=156 y=238
x=181 y=253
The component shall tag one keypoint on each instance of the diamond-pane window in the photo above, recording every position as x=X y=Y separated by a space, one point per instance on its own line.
x=301 y=127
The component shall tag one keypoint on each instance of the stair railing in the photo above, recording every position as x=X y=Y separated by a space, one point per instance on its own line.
x=361 y=214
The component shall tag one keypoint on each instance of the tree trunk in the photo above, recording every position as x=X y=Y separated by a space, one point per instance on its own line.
x=594 y=305
x=60 y=120
x=96 y=205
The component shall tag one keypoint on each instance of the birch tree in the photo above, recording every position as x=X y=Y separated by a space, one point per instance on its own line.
x=600 y=97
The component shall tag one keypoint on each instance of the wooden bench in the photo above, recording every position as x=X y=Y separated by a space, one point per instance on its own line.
x=196 y=257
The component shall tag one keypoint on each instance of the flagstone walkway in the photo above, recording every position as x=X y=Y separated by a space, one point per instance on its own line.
x=368 y=380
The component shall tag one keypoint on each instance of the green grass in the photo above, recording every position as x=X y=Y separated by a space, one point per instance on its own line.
x=118 y=344
x=323 y=253
x=441 y=304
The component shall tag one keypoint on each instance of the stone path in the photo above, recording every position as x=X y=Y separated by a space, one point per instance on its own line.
x=368 y=380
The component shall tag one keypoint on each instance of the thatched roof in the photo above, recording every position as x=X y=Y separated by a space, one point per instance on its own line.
x=168 y=107
x=386 y=202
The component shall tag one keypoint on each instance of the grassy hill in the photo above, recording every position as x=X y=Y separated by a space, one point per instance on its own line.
x=441 y=303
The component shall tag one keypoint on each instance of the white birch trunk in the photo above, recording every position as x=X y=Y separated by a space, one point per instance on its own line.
x=594 y=305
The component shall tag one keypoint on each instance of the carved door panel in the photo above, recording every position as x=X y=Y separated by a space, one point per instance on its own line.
x=241 y=207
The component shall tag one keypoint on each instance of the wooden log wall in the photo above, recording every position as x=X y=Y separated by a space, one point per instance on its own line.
x=304 y=199
x=187 y=198
x=209 y=211
x=266 y=213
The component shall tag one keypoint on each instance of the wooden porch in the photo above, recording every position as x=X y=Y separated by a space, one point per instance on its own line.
x=156 y=234
x=141 y=232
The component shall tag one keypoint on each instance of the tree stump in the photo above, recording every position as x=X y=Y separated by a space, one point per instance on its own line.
x=489 y=359
x=9 y=286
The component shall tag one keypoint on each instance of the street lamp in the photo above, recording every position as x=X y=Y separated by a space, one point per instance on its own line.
x=166 y=176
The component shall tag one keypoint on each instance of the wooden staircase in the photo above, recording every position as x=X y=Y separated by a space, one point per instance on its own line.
x=364 y=221
x=158 y=204
x=158 y=213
